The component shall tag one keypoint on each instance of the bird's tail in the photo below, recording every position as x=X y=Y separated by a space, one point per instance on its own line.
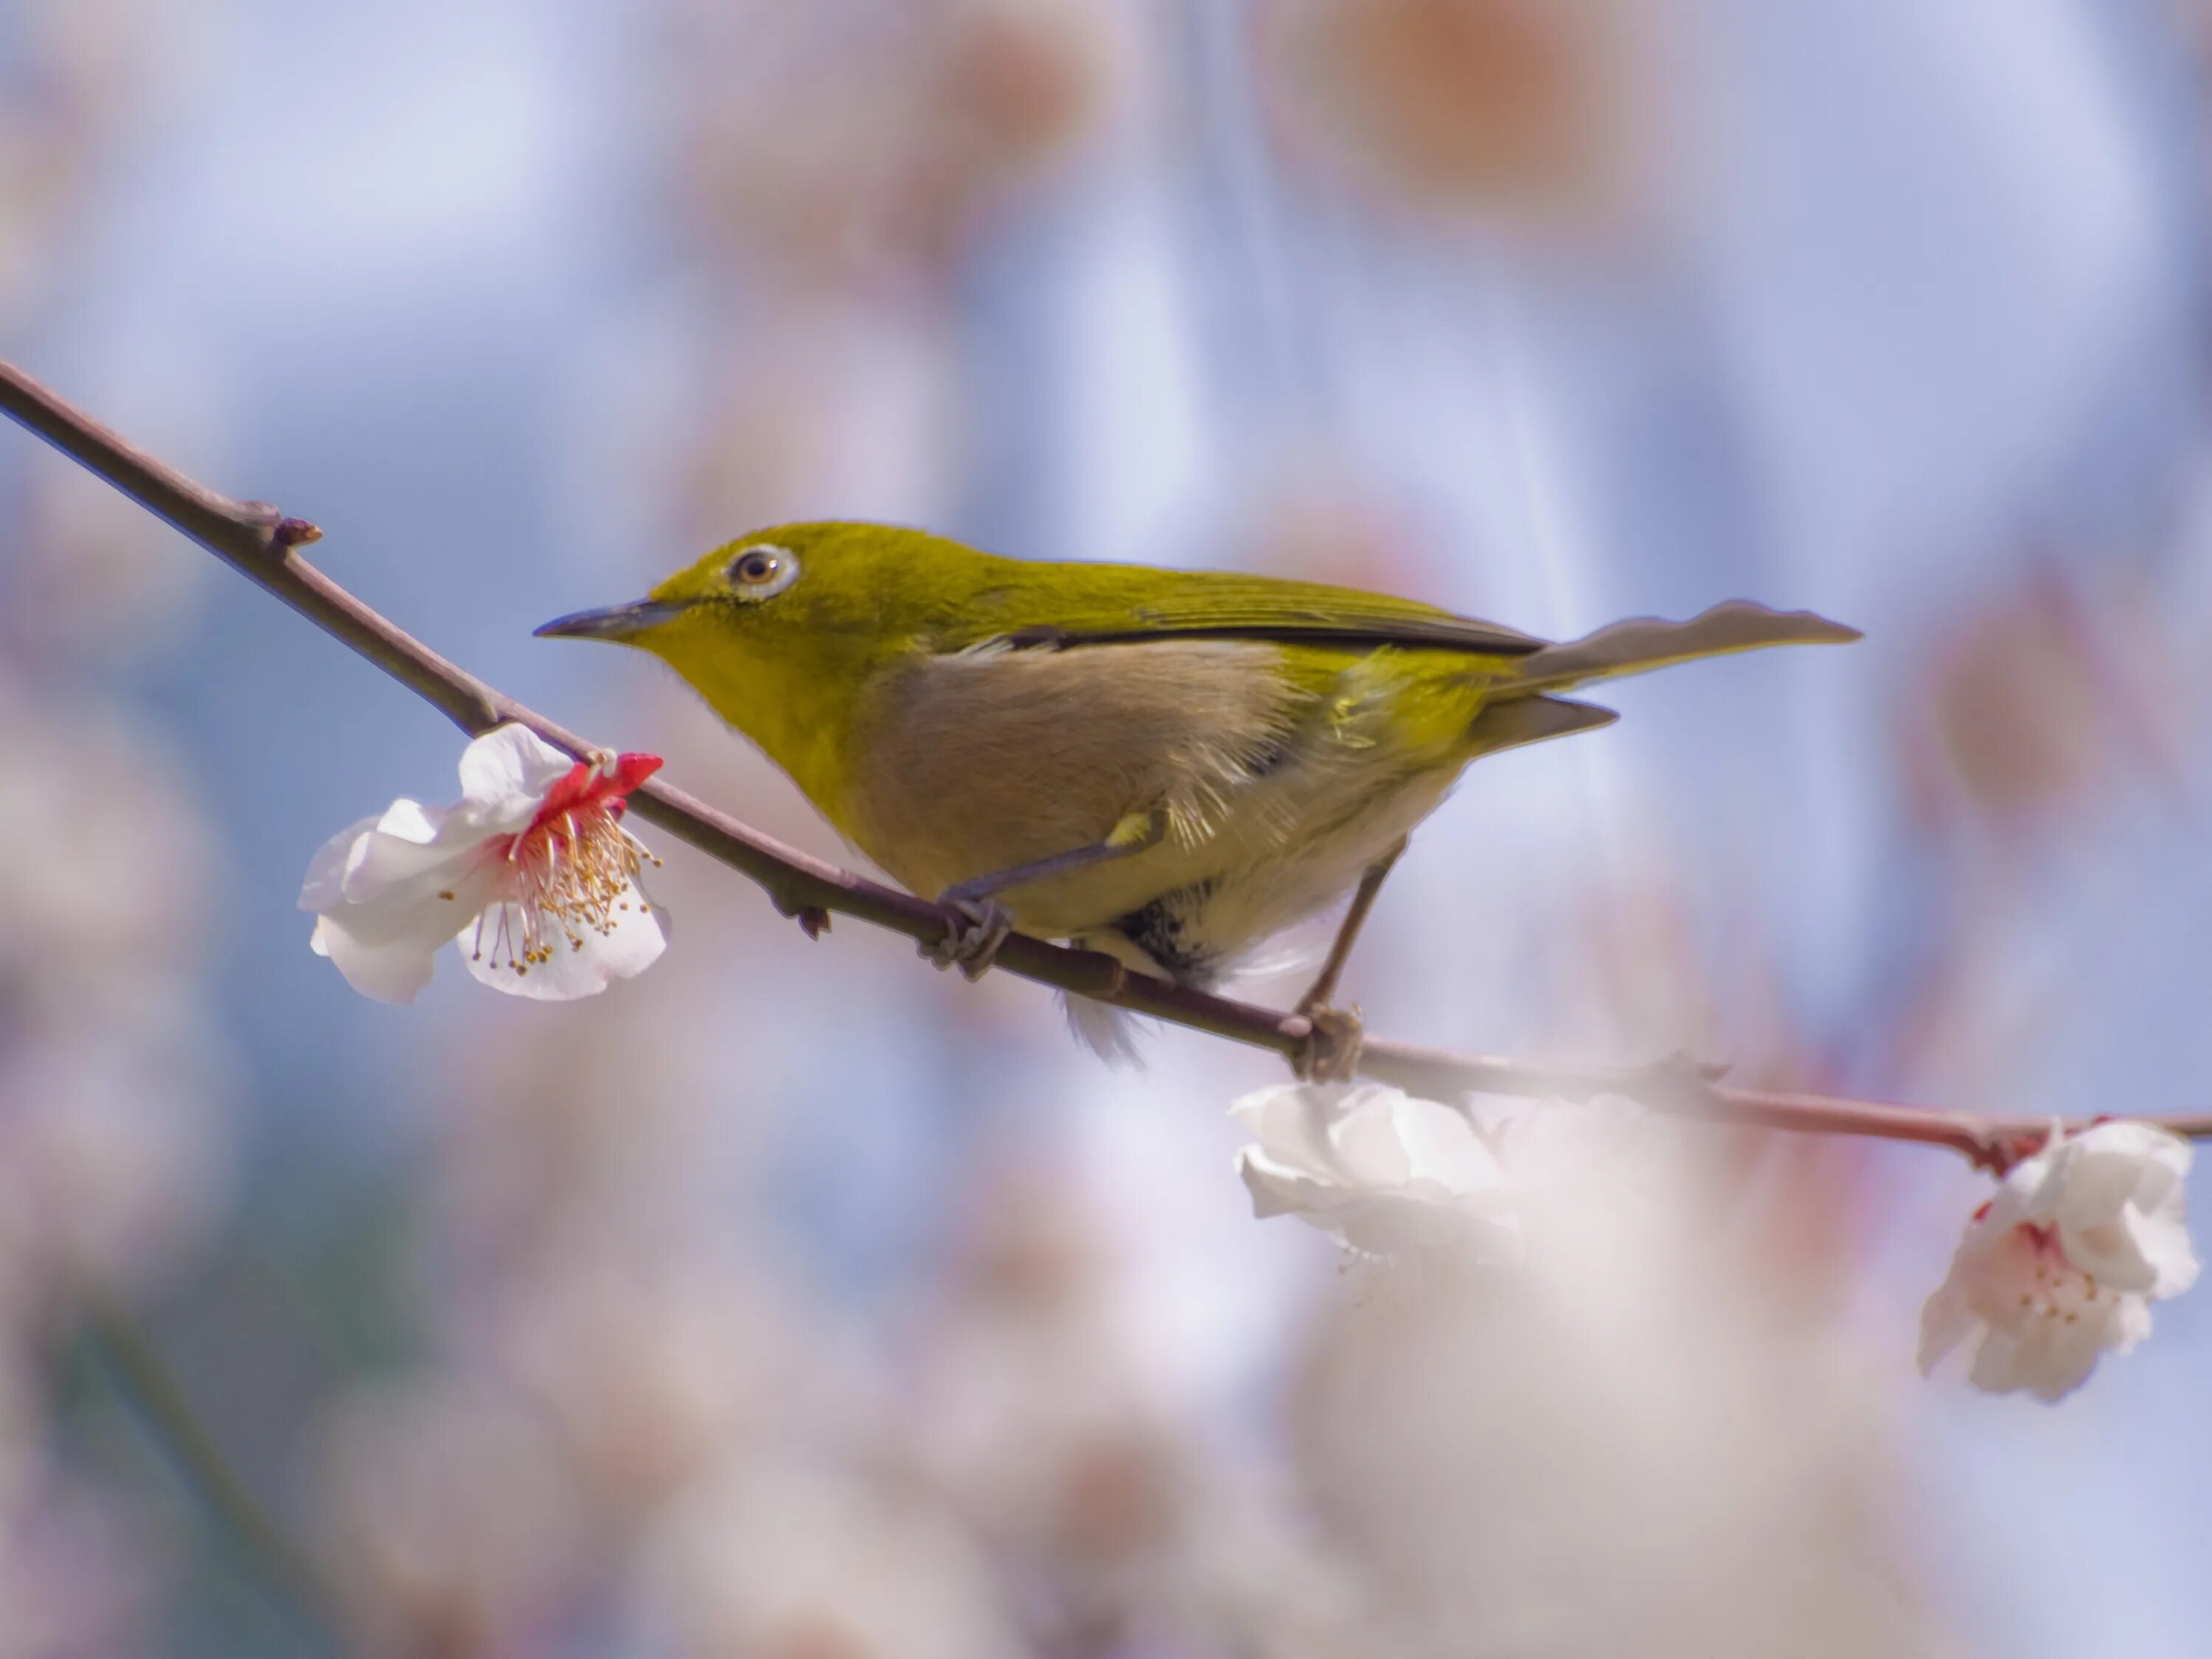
x=1519 y=711
x=1641 y=642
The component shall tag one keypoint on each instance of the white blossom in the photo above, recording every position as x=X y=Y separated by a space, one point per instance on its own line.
x=440 y=1502
x=771 y=1551
x=1382 y=1172
x=532 y=874
x=2062 y=1266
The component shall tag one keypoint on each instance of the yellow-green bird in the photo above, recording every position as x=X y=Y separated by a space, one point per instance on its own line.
x=1169 y=766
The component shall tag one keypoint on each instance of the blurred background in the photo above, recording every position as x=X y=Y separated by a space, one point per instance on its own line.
x=794 y=1303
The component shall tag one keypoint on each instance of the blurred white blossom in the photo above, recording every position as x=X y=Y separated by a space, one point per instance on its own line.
x=533 y=858
x=786 y=1559
x=648 y=1363
x=113 y=1143
x=446 y=1515
x=1382 y=1172
x=1040 y=1409
x=2062 y=1266
x=1603 y=1450
x=1532 y=113
x=113 y=914
x=847 y=144
x=112 y=1154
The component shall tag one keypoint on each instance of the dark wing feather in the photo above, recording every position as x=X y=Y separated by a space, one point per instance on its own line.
x=1133 y=605
x=1459 y=634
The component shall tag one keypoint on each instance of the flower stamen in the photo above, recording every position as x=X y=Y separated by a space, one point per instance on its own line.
x=561 y=868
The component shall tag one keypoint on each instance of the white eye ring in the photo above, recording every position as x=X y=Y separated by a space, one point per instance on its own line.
x=762 y=571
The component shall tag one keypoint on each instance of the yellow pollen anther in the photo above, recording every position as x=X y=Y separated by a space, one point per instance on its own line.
x=574 y=876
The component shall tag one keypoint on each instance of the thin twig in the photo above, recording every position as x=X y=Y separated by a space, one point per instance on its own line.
x=255 y=540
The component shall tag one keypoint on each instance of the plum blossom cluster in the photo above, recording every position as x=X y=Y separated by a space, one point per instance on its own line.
x=2062 y=1266
x=531 y=873
x=1384 y=1174
x=2056 y=1270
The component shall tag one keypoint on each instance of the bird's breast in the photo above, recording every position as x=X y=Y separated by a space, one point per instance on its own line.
x=1275 y=784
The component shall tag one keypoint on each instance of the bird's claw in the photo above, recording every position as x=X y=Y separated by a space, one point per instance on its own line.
x=1330 y=1053
x=974 y=931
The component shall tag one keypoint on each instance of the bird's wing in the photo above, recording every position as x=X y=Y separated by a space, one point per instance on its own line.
x=1125 y=605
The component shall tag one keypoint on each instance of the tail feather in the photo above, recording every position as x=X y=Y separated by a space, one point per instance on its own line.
x=1109 y=1032
x=1644 y=642
x=1519 y=720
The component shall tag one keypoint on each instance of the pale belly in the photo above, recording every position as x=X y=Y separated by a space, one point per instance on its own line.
x=1196 y=932
x=1270 y=811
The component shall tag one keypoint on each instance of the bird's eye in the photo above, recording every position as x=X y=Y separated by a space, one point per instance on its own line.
x=759 y=573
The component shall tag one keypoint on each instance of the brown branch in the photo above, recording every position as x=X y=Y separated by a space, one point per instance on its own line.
x=257 y=541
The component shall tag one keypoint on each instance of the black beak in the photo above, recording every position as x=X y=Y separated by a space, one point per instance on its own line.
x=613 y=622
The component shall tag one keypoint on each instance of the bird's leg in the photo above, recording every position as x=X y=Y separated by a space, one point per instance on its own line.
x=979 y=925
x=1347 y=931
x=1333 y=1050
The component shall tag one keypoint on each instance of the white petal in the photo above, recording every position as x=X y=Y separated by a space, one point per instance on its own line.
x=2165 y=1246
x=411 y=821
x=1383 y=1173
x=424 y=907
x=385 y=947
x=1384 y=1224
x=2116 y=1193
x=323 y=886
x=584 y=968
x=2095 y=1181
x=2146 y=1142
x=2131 y=1323
x=2148 y=1254
x=411 y=845
x=2143 y=1254
x=1997 y=1368
x=2030 y=1190
x=1442 y=1146
x=1364 y=1141
x=2050 y=1358
x=1945 y=1322
x=1278 y=1189
x=505 y=774
x=1292 y=1123
x=392 y=969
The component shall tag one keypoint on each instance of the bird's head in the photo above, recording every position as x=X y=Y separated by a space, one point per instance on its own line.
x=777 y=591
x=784 y=630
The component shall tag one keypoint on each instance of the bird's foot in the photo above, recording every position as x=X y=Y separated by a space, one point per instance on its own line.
x=974 y=929
x=1330 y=1053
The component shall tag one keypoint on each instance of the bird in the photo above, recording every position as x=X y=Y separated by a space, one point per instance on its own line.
x=1168 y=766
